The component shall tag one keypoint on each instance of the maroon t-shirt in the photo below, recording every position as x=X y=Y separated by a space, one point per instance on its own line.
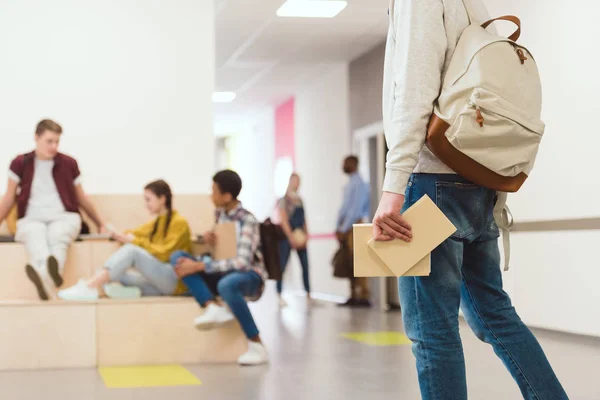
x=65 y=172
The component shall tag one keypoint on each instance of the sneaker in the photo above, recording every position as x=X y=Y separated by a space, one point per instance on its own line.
x=79 y=292
x=35 y=278
x=213 y=317
x=282 y=303
x=118 y=291
x=256 y=355
x=53 y=270
x=351 y=302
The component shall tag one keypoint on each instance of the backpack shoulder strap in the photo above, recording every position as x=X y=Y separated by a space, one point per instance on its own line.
x=469 y=14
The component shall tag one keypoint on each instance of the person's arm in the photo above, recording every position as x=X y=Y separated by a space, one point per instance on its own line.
x=419 y=43
x=354 y=207
x=247 y=246
x=143 y=230
x=344 y=210
x=419 y=54
x=87 y=206
x=175 y=235
x=8 y=200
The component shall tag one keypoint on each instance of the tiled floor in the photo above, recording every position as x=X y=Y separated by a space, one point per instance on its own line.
x=311 y=359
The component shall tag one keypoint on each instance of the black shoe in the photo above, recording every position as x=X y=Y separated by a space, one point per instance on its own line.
x=365 y=303
x=350 y=303
x=52 y=264
x=35 y=278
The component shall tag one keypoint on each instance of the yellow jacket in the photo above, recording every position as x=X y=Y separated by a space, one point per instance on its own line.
x=178 y=237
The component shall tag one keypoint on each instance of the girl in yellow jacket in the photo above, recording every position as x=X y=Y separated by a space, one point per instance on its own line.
x=141 y=266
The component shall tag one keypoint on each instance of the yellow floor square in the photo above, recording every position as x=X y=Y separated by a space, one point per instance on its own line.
x=378 y=338
x=147 y=376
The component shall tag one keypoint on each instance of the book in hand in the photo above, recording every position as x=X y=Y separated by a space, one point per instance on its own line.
x=430 y=227
x=226 y=246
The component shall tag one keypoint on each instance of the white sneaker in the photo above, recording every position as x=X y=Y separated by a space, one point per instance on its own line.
x=213 y=317
x=282 y=302
x=79 y=292
x=115 y=290
x=256 y=355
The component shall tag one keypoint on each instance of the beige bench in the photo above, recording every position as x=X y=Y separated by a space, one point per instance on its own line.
x=124 y=211
x=148 y=331
x=157 y=330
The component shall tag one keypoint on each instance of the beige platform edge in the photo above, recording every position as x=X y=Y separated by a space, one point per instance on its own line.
x=48 y=335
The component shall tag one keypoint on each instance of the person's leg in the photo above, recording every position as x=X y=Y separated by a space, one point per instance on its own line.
x=199 y=289
x=303 y=256
x=155 y=272
x=196 y=283
x=284 y=255
x=430 y=304
x=133 y=279
x=430 y=316
x=491 y=315
x=364 y=292
x=32 y=234
x=62 y=231
x=159 y=274
x=233 y=288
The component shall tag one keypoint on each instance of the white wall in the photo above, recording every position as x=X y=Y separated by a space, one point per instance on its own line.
x=561 y=38
x=322 y=141
x=129 y=80
x=252 y=157
x=554 y=274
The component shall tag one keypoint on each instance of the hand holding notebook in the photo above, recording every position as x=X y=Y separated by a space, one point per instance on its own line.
x=430 y=228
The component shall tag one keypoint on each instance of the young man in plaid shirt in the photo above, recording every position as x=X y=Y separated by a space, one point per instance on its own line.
x=234 y=279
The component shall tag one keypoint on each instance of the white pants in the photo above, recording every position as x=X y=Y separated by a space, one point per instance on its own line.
x=48 y=237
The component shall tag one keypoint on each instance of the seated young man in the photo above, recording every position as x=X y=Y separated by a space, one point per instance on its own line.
x=48 y=202
x=233 y=279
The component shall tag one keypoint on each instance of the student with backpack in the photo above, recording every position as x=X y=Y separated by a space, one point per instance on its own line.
x=462 y=121
x=233 y=280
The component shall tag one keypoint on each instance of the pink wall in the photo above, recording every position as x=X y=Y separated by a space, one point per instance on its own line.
x=284 y=131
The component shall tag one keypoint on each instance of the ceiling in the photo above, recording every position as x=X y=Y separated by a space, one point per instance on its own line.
x=265 y=59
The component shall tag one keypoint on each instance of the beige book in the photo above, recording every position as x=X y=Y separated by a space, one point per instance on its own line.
x=226 y=246
x=430 y=227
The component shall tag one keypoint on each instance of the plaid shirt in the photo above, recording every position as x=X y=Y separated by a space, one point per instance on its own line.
x=249 y=254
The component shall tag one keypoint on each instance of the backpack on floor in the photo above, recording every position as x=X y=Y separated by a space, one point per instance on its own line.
x=486 y=123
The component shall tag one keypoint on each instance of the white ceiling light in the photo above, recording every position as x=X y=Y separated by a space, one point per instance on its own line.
x=223 y=97
x=311 y=8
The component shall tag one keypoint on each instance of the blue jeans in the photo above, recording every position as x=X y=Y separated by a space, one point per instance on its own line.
x=285 y=250
x=466 y=273
x=232 y=287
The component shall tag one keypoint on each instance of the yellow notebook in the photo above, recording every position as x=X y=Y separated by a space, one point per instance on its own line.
x=430 y=227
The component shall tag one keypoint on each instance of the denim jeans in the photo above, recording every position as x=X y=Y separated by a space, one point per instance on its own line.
x=232 y=287
x=133 y=266
x=466 y=273
x=285 y=249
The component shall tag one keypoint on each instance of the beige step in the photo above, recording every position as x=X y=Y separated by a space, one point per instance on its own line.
x=14 y=284
x=148 y=331
x=43 y=335
x=160 y=331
